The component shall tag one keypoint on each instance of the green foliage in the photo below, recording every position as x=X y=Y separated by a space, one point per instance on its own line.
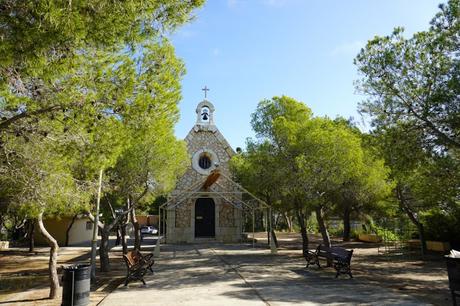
x=271 y=113
x=312 y=224
x=154 y=207
x=330 y=155
x=382 y=230
x=87 y=86
x=385 y=234
x=354 y=233
x=152 y=157
x=37 y=179
x=80 y=67
x=253 y=168
x=151 y=164
x=442 y=225
x=413 y=89
x=415 y=82
x=299 y=162
x=44 y=38
x=336 y=231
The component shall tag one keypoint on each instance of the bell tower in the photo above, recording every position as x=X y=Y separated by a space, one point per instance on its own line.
x=205 y=113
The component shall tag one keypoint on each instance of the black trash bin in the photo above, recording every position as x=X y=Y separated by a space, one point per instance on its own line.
x=76 y=280
x=453 y=272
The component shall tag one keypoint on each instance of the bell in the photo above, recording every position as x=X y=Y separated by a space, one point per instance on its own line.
x=204 y=116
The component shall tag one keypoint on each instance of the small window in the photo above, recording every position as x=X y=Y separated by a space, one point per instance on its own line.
x=204 y=161
x=89 y=225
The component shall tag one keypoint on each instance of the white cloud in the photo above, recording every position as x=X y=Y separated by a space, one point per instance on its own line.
x=350 y=48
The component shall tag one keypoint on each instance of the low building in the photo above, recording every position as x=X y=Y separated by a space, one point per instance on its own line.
x=147 y=220
x=80 y=232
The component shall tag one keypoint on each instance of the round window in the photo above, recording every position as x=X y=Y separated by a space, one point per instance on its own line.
x=204 y=161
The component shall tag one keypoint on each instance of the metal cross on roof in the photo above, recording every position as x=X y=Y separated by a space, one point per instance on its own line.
x=205 y=89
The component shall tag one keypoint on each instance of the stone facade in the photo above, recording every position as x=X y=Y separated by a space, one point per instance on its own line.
x=204 y=139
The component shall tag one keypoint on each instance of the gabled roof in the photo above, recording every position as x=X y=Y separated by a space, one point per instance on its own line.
x=239 y=197
x=211 y=128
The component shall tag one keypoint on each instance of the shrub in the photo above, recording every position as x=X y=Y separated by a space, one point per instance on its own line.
x=354 y=234
x=441 y=225
x=312 y=224
x=336 y=231
x=3 y=235
x=383 y=232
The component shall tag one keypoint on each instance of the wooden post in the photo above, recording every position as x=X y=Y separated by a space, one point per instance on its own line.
x=157 y=246
x=159 y=222
x=95 y=228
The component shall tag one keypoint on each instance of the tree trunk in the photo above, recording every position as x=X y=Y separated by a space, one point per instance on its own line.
x=303 y=230
x=420 y=229
x=31 y=235
x=288 y=222
x=18 y=228
x=104 y=246
x=273 y=234
x=346 y=223
x=259 y=218
x=68 y=230
x=322 y=226
x=54 y=247
x=421 y=233
x=118 y=240
x=104 y=250
x=124 y=222
x=277 y=221
x=123 y=238
x=323 y=230
x=137 y=239
x=275 y=239
x=413 y=217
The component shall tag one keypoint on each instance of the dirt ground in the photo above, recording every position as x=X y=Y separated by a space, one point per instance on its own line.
x=406 y=271
x=23 y=275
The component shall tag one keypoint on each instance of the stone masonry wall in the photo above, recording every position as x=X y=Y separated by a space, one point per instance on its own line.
x=228 y=225
x=183 y=213
x=226 y=215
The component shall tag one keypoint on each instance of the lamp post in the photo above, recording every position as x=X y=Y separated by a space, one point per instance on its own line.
x=95 y=228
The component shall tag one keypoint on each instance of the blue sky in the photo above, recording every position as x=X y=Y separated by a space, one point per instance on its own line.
x=249 y=50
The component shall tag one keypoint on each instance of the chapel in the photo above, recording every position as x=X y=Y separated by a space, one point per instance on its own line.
x=205 y=205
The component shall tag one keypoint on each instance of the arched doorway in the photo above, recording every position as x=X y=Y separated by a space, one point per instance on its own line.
x=205 y=225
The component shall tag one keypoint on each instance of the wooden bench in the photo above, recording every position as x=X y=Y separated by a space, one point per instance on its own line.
x=340 y=257
x=137 y=265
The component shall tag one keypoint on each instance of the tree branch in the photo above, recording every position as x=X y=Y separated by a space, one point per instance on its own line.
x=5 y=123
x=428 y=123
